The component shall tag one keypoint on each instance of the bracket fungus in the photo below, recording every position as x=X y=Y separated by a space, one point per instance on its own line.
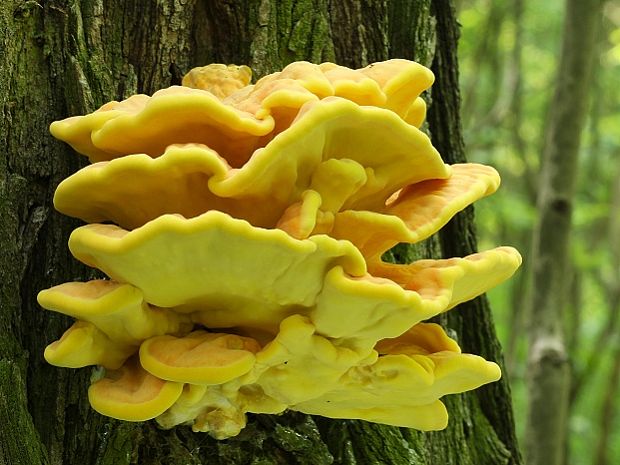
x=242 y=228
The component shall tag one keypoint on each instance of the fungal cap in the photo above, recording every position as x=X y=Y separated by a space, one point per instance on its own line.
x=392 y=298
x=402 y=81
x=392 y=84
x=221 y=80
x=83 y=345
x=332 y=149
x=177 y=179
x=420 y=339
x=147 y=124
x=458 y=279
x=117 y=309
x=426 y=417
x=300 y=364
x=131 y=393
x=417 y=211
x=284 y=274
x=199 y=358
x=403 y=386
x=173 y=115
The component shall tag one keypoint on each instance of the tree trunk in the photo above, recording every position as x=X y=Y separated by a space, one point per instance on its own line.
x=608 y=412
x=548 y=365
x=67 y=57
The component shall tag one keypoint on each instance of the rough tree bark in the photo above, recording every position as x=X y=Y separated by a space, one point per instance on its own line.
x=67 y=57
x=548 y=364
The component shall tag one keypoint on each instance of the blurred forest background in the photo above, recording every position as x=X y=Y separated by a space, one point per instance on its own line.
x=509 y=53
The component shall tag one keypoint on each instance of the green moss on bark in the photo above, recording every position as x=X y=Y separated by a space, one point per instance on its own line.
x=19 y=443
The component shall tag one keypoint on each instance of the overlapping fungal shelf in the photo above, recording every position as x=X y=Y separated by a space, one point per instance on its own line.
x=242 y=228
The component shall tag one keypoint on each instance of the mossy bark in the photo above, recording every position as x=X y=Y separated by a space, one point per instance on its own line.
x=67 y=57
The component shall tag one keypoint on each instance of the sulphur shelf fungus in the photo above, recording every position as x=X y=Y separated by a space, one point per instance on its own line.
x=242 y=229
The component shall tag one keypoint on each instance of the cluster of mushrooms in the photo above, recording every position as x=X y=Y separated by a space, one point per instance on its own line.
x=242 y=229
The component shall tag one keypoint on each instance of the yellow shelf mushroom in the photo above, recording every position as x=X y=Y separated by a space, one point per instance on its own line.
x=403 y=386
x=199 y=358
x=417 y=211
x=84 y=344
x=243 y=121
x=131 y=393
x=230 y=272
x=116 y=309
x=149 y=124
x=219 y=79
x=242 y=227
x=315 y=154
x=208 y=275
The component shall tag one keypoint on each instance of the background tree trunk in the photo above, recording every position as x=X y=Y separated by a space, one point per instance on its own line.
x=67 y=57
x=548 y=365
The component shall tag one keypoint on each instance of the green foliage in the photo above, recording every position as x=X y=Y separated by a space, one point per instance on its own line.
x=508 y=59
